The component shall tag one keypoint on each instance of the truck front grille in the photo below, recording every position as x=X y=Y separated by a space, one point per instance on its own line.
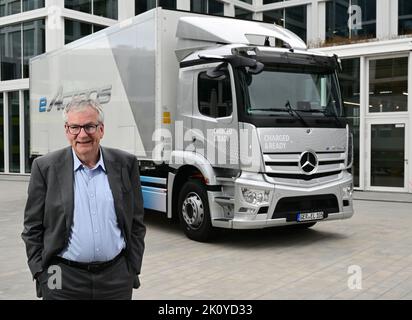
x=302 y=176
x=286 y=165
x=290 y=206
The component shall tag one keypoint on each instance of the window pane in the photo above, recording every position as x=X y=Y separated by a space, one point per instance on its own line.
x=337 y=19
x=207 y=6
x=27 y=163
x=274 y=16
x=97 y=28
x=32 y=4
x=105 y=8
x=388 y=85
x=144 y=5
x=243 y=14
x=8 y=7
x=295 y=21
x=33 y=42
x=14 y=131
x=215 y=8
x=350 y=86
x=79 y=5
x=405 y=17
x=167 y=4
x=198 y=6
x=387 y=155
x=10 y=52
x=1 y=133
x=247 y=1
x=214 y=96
x=293 y=18
x=74 y=30
x=271 y=1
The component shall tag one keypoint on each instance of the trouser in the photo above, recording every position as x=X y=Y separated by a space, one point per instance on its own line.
x=64 y=282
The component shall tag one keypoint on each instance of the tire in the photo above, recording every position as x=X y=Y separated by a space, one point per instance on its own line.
x=194 y=214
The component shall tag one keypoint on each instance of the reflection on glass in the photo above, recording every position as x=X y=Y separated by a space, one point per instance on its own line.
x=214 y=96
x=105 y=8
x=79 y=5
x=144 y=5
x=293 y=18
x=350 y=87
x=14 y=131
x=8 y=7
x=10 y=52
x=243 y=14
x=340 y=12
x=387 y=155
x=27 y=163
x=207 y=6
x=32 y=4
x=74 y=30
x=405 y=17
x=388 y=85
x=33 y=42
x=1 y=133
x=97 y=27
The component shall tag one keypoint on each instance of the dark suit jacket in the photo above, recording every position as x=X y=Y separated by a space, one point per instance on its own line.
x=48 y=215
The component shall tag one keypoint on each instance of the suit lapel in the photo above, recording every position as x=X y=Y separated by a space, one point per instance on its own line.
x=65 y=177
x=114 y=170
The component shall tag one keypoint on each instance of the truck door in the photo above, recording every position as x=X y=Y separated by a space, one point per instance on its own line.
x=214 y=122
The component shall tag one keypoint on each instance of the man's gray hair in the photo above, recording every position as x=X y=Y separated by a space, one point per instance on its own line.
x=77 y=105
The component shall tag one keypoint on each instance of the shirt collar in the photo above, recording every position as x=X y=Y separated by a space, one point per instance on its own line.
x=77 y=164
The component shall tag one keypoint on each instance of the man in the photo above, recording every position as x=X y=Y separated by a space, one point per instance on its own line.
x=83 y=220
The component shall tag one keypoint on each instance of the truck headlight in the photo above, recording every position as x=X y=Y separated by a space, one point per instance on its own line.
x=347 y=191
x=254 y=196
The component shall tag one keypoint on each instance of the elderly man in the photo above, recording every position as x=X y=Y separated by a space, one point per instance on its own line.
x=83 y=222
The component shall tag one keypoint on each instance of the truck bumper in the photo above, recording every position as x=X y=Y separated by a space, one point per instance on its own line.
x=340 y=188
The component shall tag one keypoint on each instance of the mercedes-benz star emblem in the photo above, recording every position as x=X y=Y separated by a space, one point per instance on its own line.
x=308 y=162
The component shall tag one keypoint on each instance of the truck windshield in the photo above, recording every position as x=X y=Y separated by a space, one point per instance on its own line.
x=297 y=92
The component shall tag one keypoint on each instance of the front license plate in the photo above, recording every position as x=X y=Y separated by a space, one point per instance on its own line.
x=309 y=216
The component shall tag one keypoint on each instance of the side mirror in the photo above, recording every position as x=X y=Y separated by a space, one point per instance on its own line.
x=257 y=68
x=218 y=73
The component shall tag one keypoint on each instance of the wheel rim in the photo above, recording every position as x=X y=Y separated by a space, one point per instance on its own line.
x=193 y=210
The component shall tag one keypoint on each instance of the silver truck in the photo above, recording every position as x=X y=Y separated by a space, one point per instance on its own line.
x=235 y=123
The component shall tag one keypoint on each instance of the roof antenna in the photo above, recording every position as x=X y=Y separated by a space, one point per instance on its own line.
x=267 y=42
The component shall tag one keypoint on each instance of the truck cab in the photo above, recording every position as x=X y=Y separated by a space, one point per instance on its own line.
x=264 y=125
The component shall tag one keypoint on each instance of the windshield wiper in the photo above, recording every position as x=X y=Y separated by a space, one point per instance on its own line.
x=294 y=113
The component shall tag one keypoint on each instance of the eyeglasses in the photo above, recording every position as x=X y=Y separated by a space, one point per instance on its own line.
x=88 y=128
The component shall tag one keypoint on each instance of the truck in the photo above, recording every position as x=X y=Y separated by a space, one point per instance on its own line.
x=235 y=123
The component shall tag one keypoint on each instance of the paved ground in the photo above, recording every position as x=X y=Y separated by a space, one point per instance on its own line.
x=259 y=264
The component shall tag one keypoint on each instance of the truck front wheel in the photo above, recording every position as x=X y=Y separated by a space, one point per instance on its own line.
x=194 y=214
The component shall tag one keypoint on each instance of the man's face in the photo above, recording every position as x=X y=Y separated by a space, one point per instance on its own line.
x=84 y=144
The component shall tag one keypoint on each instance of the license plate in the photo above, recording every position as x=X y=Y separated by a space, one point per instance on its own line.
x=309 y=216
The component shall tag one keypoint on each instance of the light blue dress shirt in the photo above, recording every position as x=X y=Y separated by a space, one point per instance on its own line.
x=95 y=234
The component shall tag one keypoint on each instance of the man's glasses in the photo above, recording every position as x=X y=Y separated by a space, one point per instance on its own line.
x=88 y=128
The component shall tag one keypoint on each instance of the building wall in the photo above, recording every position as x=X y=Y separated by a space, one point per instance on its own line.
x=372 y=37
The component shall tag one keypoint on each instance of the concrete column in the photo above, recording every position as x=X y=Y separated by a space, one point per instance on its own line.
x=321 y=23
x=383 y=17
x=257 y=15
x=183 y=5
x=54 y=25
x=229 y=9
x=126 y=9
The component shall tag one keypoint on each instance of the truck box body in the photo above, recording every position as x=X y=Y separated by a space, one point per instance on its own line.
x=133 y=65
